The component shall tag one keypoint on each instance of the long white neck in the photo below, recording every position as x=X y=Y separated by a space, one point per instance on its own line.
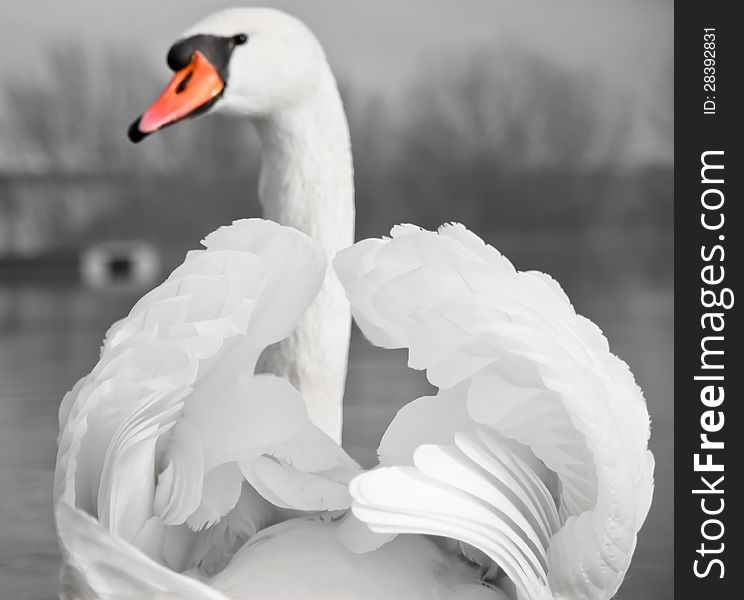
x=307 y=182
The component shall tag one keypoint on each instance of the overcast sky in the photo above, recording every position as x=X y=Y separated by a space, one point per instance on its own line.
x=379 y=44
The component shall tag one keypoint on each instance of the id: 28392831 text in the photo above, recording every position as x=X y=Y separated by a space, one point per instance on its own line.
x=709 y=70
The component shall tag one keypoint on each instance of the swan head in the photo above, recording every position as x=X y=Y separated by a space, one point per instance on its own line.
x=250 y=62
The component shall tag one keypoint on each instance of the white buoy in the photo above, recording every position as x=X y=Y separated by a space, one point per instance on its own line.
x=131 y=263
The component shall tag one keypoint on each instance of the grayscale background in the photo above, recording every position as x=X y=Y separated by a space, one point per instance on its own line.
x=544 y=126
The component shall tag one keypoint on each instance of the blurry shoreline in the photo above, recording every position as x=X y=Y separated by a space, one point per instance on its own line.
x=503 y=141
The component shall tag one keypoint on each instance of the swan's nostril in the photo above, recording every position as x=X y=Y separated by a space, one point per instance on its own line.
x=184 y=82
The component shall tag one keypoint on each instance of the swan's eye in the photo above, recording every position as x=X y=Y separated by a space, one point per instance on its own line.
x=240 y=39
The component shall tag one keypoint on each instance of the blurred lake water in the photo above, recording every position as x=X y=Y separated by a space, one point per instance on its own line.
x=50 y=336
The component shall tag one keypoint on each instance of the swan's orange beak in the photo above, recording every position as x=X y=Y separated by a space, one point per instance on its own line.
x=192 y=90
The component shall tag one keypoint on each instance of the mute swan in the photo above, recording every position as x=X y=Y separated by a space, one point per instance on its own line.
x=182 y=473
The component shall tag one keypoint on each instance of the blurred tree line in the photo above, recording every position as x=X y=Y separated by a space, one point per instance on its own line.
x=510 y=144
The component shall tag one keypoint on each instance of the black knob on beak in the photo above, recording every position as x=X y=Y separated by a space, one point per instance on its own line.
x=180 y=53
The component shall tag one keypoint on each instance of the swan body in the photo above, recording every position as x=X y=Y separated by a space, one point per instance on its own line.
x=313 y=564
x=200 y=457
x=185 y=455
x=533 y=454
x=320 y=566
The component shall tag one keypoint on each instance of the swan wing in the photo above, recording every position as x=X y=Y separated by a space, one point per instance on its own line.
x=534 y=452
x=101 y=566
x=170 y=437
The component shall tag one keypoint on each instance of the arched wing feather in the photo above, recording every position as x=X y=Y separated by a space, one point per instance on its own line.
x=535 y=449
x=101 y=566
x=156 y=442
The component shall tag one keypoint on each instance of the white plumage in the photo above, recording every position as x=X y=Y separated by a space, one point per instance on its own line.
x=535 y=449
x=158 y=441
x=185 y=470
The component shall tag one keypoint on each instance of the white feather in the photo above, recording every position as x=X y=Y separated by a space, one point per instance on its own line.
x=535 y=448
x=162 y=433
x=101 y=566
